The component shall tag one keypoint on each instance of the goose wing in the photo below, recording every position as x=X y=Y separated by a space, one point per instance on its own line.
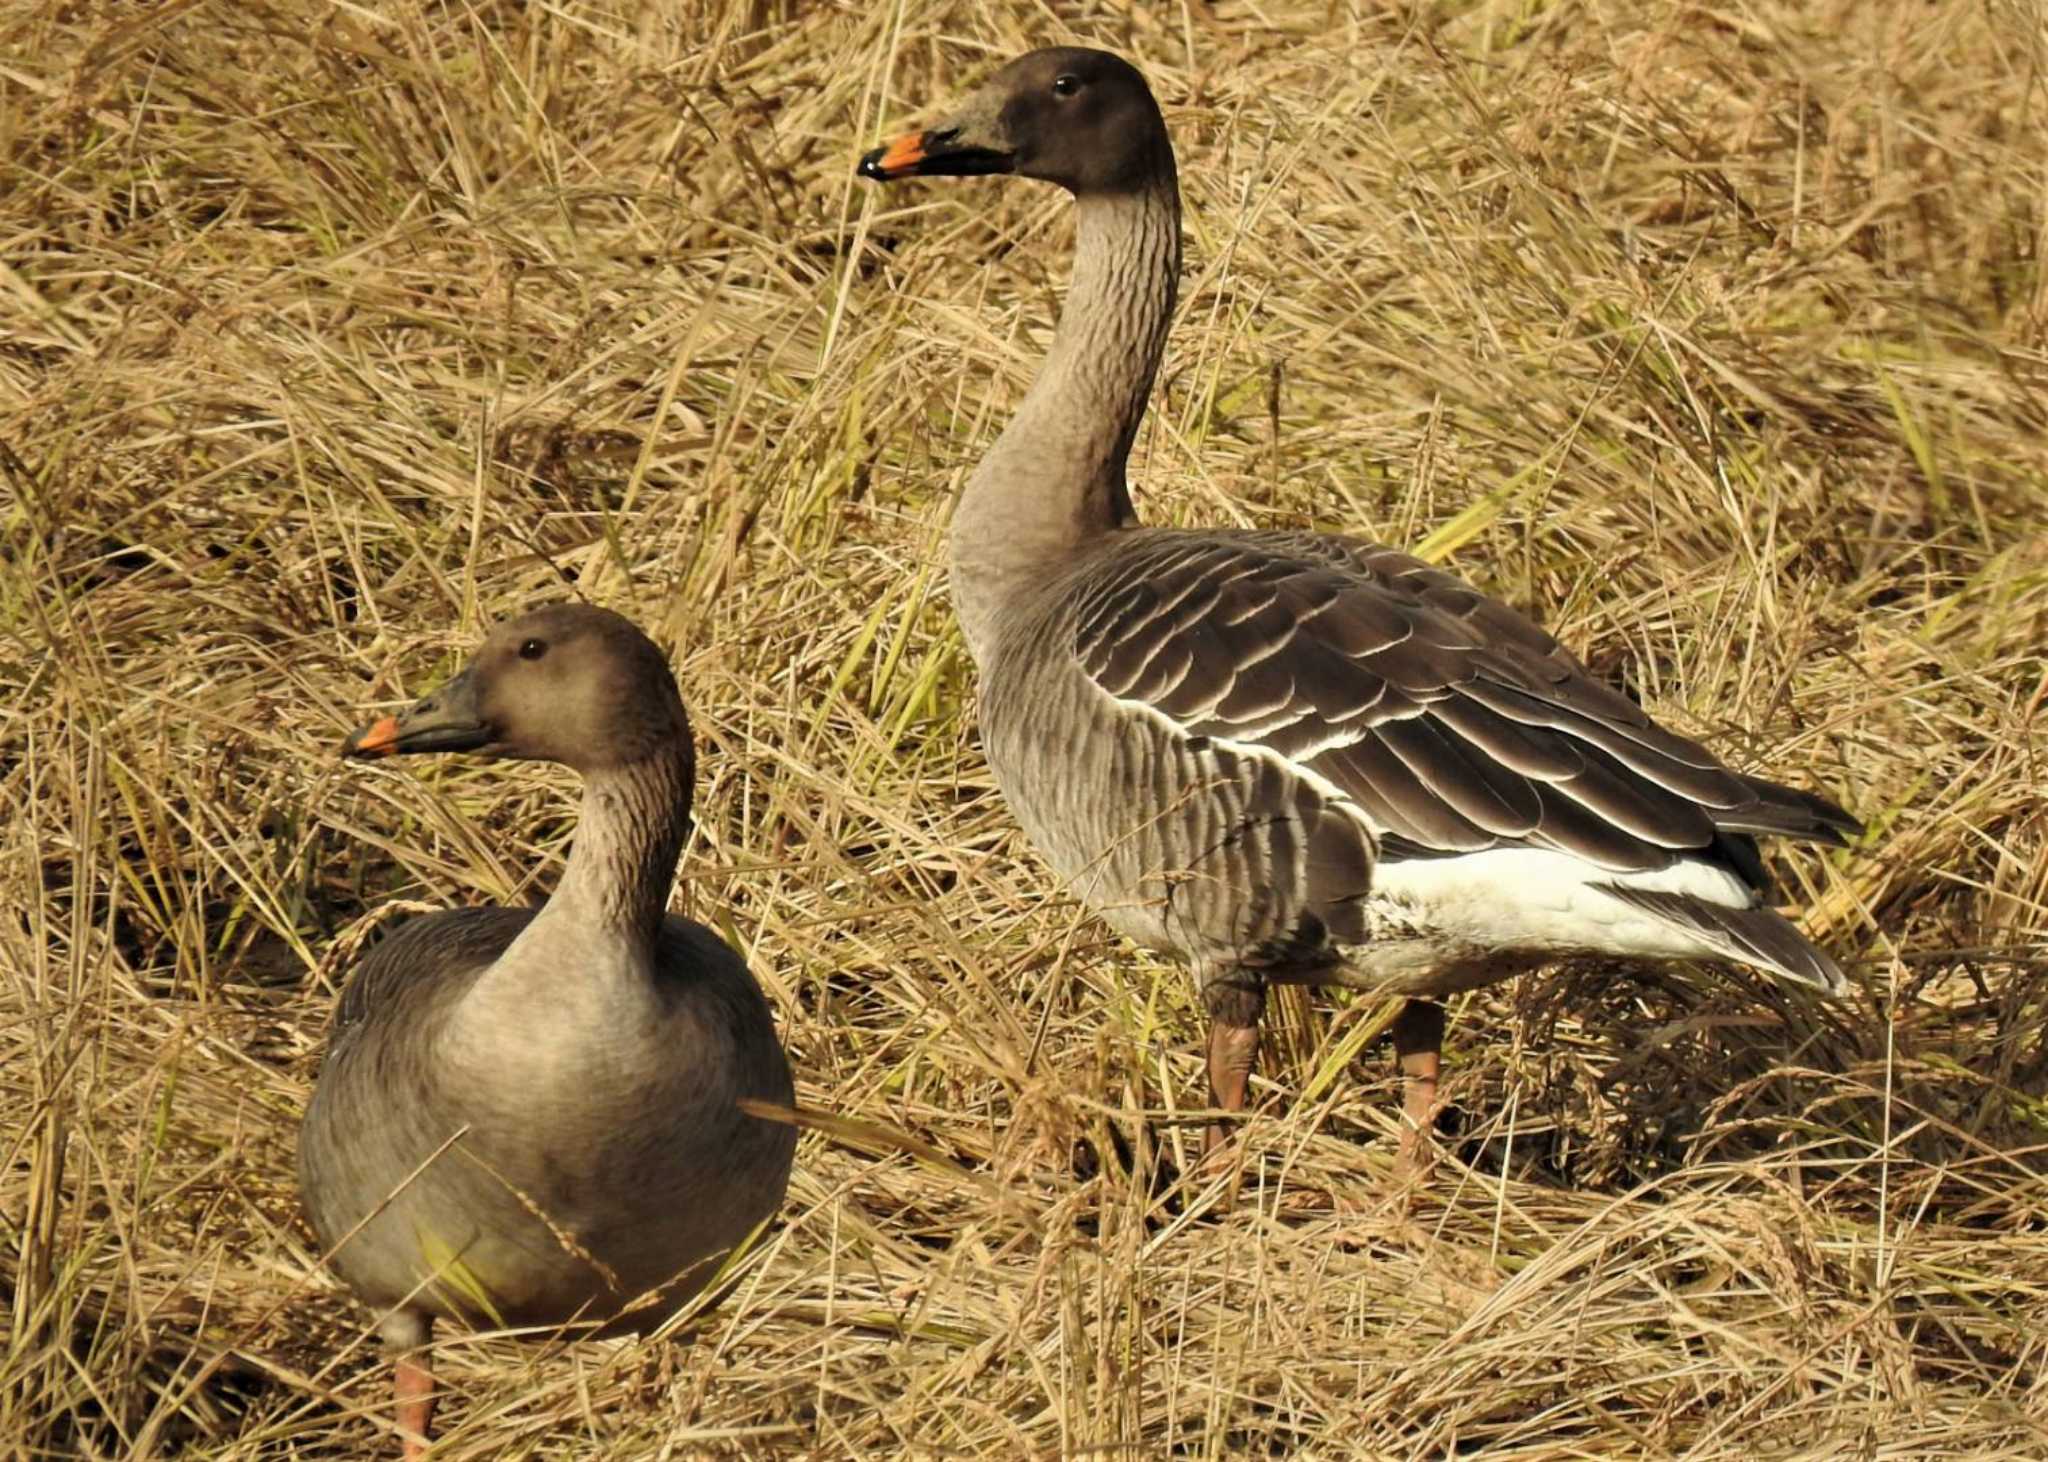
x=1453 y=724
x=427 y=960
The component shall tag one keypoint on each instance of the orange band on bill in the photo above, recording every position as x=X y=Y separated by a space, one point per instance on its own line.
x=902 y=154
x=379 y=738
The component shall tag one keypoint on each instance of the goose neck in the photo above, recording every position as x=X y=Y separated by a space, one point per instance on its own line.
x=1055 y=478
x=623 y=862
x=581 y=981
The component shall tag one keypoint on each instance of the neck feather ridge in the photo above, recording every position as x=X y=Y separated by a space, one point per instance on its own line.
x=628 y=836
x=583 y=976
x=1055 y=478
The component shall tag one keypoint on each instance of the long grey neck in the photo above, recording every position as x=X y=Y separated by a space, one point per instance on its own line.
x=631 y=831
x=1055 y=478
x=584 y=975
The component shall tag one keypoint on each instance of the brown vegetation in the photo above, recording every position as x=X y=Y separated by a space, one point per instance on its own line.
x=1712 y=336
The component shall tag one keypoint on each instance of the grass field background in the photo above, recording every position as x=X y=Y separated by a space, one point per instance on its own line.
x=1715 y=337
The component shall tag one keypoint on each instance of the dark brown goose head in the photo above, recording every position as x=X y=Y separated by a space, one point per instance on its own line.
x=1079 y=118
x=568 y=683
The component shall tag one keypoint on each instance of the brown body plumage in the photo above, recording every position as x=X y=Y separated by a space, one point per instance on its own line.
x=528 y=1117
x=1297 y=757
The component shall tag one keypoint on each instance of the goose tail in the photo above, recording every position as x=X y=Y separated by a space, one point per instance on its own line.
x=1759 y=937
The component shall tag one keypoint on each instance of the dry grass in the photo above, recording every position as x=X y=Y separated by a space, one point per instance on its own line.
x=1714 y=336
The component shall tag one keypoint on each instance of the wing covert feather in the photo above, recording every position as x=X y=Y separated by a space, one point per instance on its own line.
x=1451 y=722
x=427 y=958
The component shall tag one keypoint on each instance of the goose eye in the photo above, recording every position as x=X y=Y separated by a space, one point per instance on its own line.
x=532 y=649
x=1065 y=85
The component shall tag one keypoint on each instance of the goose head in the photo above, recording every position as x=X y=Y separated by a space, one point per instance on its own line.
x=569 y=683
x=1082 y=119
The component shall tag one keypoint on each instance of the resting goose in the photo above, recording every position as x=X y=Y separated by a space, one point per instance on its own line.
x=1285 y=756
x=527 y=1116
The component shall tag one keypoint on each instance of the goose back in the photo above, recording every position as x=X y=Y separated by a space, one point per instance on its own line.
x=541 y=1209
x=1258 y=748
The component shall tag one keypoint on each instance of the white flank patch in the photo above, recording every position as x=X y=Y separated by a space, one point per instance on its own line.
x=1514 y=898
x=1532 y=898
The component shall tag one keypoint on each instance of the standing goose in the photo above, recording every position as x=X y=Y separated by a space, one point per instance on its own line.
x=1297 y=757
x=527 y=1116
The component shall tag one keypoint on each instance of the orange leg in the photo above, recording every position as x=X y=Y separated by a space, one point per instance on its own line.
x=1234 y=1012
x=1418 y=1044
x=412 y=1386
x=414 y=1392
